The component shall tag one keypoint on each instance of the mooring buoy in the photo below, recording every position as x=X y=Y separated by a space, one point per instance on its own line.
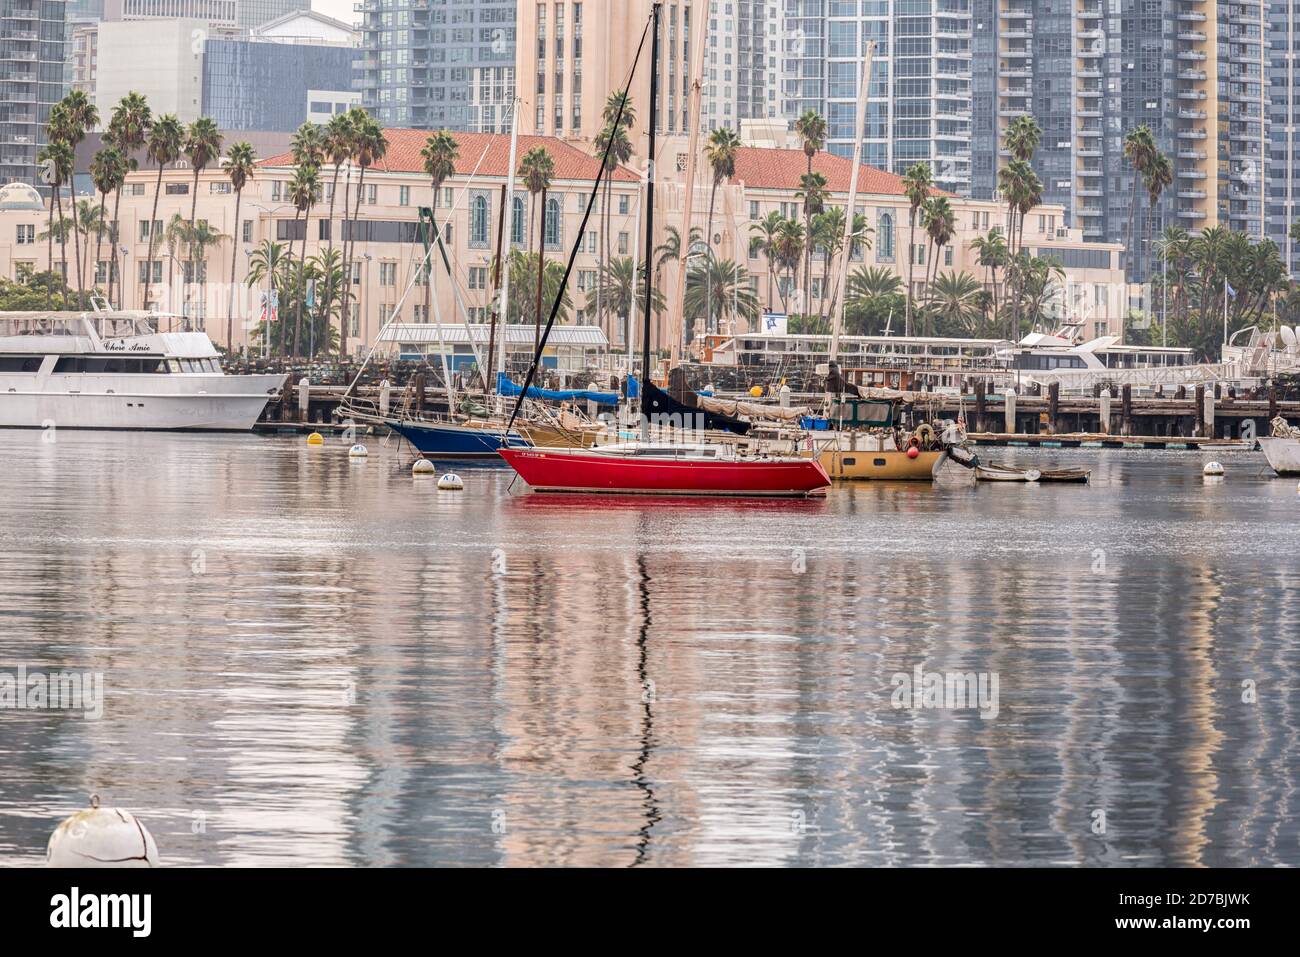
x=1212 y=469
x=101 y=837
x=358 y=452
x=451 y=482
x=315 y=439
x=423 y=467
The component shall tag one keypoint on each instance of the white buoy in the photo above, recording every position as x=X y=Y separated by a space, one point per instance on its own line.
x=101 y=837
x=423 y=467
x=451 y=483
x=1212 y=468
x=357 y=452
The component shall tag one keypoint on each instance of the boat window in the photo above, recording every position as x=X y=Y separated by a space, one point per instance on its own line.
x=20 y=363
x=174 y=365
x=878 y=462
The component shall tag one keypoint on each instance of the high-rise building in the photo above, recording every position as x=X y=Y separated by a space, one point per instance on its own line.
x=1283 y=165
x=31 y=81
x=220 y=13
x=441 y=66
x=1091 y=71
x=918 y=109
x=299 y=67
x=741 y=64
x=254 y=13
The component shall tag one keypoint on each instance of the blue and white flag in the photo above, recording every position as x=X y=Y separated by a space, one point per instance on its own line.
x=1231 y=292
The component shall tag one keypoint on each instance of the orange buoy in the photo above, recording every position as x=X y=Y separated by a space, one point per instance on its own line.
x=913 y=452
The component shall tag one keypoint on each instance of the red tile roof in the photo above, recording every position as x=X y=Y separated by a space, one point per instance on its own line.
x=761 y=168
x=404 y=147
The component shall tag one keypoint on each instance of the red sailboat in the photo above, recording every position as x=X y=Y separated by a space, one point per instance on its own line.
x=658 y=468
x=667 y=469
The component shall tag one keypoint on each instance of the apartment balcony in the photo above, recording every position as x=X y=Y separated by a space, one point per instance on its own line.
x=1191 y=114
x=23 y=56
x=1190 y=154
x=1015 y=72
x=1023 y=30
x=1186 y=173
x=1191 y=134
x=1089 y=34
x=1192 y=95
x=1188 y=213
x=1088 y=73
x=1088 y=191
x=1090 y=12
x=1091 y=92
x=1191 y=194
x=1193 y=55
x=1191 y=16
x=1194 y=36
x=1088 y=152
x=1090 y=211
x=1091 y=171
x=1191 y=74
x=1015 y=13
x=1088 y=111
x=1089 y=131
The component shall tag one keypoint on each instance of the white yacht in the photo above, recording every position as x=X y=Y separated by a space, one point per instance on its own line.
x=121 y=370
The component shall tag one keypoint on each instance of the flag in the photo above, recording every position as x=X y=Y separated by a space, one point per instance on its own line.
x=1231 y=292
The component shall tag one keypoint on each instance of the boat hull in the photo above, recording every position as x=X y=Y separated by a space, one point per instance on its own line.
x=461 y=443
x=217 y=403
x=550 y=471
x=887 y=466
x=1283 y=455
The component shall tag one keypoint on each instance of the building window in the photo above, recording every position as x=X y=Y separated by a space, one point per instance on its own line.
x=624 y=203
x=518 y=222
x=177 y=189
x=478 y=222
x=551 y=230
x=885 y=240
x=622 y=244
x=753 y=209
x=143 y=266
x=387 y=274
x=26 y=234
x=248 y=230
x=219 y=187
x=403 y=196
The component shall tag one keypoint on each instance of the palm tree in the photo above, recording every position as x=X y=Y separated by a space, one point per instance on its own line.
x=790 y=242
x=810 y=127
x=304 y=191
x=56 y=159
x=107 y=170
x=1159 y=175
x=954 y=300
x=79 y=116
x=1175 y=249
x=336 y=144
x=670 y=250
x=523 y=274
x=619 y=292
x=940 y=225
x=202 y=146
x=267 y=263
x=1140 y=150
x=720 y=287
x=166 y=139
x=1021 y=138
x=720 y=151
x=369 y=146
x=828 y=236
x=537 y=169
x=767 y=229
x=129 y=128
x=917 y=183
x=241 y=160
x=618 y=116
x=991 y=252
x=440 y=153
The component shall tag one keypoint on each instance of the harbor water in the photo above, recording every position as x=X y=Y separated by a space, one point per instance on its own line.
x=308 y=659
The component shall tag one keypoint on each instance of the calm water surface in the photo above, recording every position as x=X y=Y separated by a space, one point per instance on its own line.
x=309 y=660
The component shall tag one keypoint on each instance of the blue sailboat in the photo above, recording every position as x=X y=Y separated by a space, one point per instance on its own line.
x=445 y=440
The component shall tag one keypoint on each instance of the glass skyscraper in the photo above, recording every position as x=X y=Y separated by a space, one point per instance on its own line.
x=31 y=81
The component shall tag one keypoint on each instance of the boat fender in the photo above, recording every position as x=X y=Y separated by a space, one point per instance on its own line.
x=925 y=432
x=101 y=837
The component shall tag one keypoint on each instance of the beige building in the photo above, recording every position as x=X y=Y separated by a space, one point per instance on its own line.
x=163 y=59
x=386 y=255
x=386 y=252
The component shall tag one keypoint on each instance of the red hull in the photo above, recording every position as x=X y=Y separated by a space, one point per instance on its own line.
x=546 y=471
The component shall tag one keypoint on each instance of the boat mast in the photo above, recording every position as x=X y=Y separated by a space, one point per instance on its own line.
x=504 y=310
x=677 y=308
x=650 y=218
x=841 y=284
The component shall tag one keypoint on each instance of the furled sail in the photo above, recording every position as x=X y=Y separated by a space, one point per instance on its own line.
x=657 y=402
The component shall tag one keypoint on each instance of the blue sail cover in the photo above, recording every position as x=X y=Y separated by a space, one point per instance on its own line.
x=506 y=387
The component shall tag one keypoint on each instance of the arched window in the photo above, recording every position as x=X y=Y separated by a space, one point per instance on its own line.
x=478 y=221
x=518 y=222
x=552 y=233
x=885 y=243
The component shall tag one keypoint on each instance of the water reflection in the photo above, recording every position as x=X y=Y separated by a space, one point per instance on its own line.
x=311 y=661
